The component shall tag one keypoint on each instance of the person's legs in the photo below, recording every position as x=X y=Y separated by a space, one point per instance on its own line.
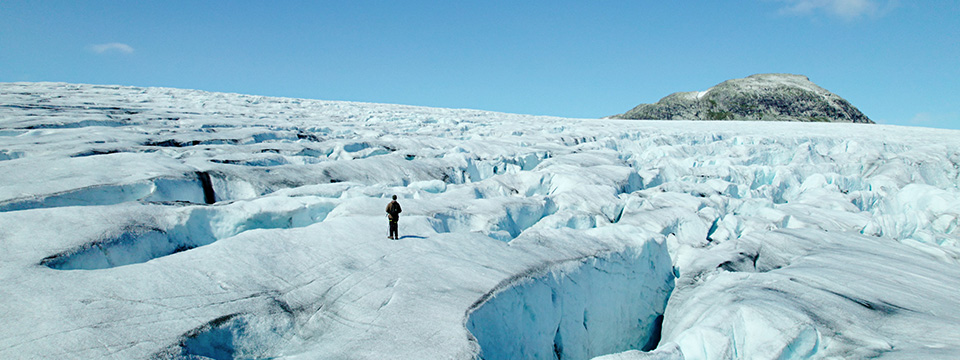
x=394 y=234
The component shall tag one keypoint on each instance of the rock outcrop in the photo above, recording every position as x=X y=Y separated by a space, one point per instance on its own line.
x=775 y=97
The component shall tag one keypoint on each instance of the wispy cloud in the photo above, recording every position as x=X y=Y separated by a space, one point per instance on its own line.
x=112 y=47
x=922 y=118
x=941 y=120
x=847 y=9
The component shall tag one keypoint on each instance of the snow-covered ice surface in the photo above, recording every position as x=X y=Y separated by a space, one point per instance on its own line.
x=166 y=223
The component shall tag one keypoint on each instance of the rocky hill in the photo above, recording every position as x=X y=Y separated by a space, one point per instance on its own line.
x=775 y=97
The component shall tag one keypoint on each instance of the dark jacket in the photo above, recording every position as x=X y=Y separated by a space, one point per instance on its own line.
x=394 y=210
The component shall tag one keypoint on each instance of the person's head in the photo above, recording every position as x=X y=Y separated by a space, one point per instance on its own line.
x=394 y=197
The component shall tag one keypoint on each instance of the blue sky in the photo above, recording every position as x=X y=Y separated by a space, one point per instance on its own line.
x=898 y=61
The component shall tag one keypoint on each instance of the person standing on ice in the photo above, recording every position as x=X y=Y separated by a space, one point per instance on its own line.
x=393 y=214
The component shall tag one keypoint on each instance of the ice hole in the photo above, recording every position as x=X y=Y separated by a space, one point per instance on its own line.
x=481 y=169
x=95 y=152
x=256 y=161
x=359 y=150
x=10 y=155
x=520 y=217
x=238 y=336
x=204 y=226
x=156 y=190
x=530 y=161
x=83 y=123
x=514 y=220
x=355 y=147
x=12 y=132
x=227 y=187
x=133 y=246
x=318 y=153
x=451 y=222
x=95 y=195
x=271 y=136
x=196 y=189
x=603 y=306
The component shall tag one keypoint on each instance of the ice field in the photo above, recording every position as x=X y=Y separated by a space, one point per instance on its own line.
x=161 y=223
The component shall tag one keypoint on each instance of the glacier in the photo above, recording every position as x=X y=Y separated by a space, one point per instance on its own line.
x=157 y=223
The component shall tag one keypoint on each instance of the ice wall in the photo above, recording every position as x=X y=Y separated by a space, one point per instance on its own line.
x=577 y=310
x=191 y=227
x=235 y=336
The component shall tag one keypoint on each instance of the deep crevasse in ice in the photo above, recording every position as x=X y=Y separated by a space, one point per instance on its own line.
x=578 y=310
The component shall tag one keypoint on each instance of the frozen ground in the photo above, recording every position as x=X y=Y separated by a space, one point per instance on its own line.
x=166 y=223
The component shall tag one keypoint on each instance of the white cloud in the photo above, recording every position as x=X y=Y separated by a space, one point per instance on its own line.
x=922 y=118
x=847 y=9
x=940 y=120
x=111 y=47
